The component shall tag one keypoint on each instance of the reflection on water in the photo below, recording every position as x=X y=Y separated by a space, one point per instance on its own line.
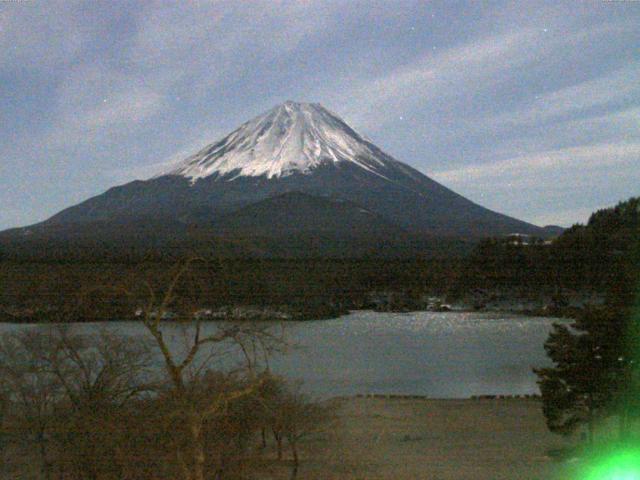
x=444 y=355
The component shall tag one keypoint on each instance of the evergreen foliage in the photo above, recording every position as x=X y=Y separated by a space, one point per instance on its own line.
x=591 y=363
x=596 y=358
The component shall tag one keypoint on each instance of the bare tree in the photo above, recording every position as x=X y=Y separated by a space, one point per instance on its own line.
x=29 y=390
x=99 y=374
x=102 y=369
x=291 y=416
x=185 y=369
x=302 y=418
x=67 y=389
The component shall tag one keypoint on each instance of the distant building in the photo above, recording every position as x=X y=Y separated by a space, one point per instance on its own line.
x=518 y=239
x=523 y=239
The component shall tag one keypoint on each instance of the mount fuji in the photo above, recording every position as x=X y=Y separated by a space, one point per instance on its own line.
x=295 y=170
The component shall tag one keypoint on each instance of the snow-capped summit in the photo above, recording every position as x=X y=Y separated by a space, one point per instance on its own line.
x=291 y=137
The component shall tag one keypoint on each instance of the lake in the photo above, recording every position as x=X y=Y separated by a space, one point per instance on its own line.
x=440 y=355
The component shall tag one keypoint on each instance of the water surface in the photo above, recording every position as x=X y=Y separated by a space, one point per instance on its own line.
x=441 y=355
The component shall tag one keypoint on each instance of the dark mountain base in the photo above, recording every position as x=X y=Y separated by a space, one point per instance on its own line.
x=170 y=242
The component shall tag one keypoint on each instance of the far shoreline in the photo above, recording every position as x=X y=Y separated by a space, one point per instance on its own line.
x=4 y=320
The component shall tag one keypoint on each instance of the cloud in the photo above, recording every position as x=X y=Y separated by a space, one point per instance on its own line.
x=620 y=125
x=130 y=173
x=206 y=45
x=191 y=145
x=39 y=35
x=525 y=170
x=434 y=77
x=566 y=217
x=613 y=88
x=95 y=103
x=455 y=77
x=550 y=186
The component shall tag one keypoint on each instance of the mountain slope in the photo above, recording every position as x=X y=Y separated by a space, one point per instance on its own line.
x=294 y=147
x=299 y=213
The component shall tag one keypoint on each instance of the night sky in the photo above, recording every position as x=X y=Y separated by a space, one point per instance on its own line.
x=529 y=108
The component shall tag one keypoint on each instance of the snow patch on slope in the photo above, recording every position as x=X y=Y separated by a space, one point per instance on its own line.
x=292 y=137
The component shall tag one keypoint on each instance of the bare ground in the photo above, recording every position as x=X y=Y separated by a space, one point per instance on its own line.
x=433 y=439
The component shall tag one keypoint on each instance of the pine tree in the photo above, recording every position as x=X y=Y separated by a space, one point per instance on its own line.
x=589 y=379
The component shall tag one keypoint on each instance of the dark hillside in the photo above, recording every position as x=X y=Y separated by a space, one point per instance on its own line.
x=601 y=257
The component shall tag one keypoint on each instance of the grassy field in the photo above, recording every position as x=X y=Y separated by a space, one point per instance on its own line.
x=434 y=439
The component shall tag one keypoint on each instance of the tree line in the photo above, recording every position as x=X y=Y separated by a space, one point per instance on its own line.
x=303 y=289
x=595 y=257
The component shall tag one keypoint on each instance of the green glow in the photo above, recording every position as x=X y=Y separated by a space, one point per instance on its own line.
x=619 y=465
